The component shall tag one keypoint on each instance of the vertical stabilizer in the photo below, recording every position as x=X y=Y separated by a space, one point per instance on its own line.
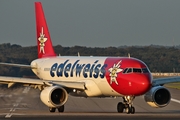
x=44 y=44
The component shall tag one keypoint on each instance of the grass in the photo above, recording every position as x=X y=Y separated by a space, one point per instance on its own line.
x=173 y=85
x=170 y=85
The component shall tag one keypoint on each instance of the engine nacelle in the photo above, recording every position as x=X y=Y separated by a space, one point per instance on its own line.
x=158 y=96
x=54 y=96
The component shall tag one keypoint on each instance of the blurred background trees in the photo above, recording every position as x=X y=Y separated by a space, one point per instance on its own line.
x=158 y=58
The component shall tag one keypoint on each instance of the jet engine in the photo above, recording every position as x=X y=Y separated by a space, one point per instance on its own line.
x=54 y=96
x=158 y=96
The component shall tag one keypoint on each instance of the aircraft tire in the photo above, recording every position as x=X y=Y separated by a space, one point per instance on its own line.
x=120 y=107
x=132 y=110
x=52 y=109
x=61 y=109
x=128 y=110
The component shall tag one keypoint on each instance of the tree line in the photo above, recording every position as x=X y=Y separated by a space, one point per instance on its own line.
x=157 y=58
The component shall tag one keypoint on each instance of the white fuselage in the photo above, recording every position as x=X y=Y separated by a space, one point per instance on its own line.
x=89 y=70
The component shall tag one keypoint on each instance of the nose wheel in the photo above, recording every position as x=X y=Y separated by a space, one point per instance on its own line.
x=126 y=105
x=130 y=109
x=60 y=109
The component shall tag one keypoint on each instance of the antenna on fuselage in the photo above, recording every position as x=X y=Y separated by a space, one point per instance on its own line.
x=129 y=55
x=78 y=54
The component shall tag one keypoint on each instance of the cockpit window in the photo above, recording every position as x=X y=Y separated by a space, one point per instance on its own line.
x=125 y=70
x=129 y=70
x=145 y=70
x=136 y=70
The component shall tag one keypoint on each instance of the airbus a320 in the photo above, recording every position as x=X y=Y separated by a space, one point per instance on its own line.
x=60 y=76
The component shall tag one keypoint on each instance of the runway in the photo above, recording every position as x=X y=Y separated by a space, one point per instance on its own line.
x=24 y=103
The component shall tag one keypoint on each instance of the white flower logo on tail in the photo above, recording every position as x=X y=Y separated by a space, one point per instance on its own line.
x=114 y=71
x=42 y=40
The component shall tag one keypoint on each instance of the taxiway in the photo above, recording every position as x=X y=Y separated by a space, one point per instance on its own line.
x=24 y=103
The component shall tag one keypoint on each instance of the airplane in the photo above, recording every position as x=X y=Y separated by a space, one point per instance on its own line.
x=88 y=76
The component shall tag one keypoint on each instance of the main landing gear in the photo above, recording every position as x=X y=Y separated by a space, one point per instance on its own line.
x=60 y=109
x=126 y=105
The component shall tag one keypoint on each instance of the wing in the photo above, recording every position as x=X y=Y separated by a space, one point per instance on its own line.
x=162 y=81
x=18 y=65
x=38 y=83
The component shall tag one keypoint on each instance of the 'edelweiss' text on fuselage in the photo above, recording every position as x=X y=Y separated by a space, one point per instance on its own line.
x=76 y=69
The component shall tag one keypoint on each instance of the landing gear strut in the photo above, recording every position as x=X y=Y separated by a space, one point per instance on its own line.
x=60 y=109
x=126 y=105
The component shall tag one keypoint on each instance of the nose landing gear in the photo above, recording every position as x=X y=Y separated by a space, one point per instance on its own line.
x=126 y=105
x=60 y=109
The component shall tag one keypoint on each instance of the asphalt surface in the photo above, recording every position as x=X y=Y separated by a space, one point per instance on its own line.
x=24 y=103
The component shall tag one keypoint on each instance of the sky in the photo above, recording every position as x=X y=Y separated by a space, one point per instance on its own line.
x=93 y=23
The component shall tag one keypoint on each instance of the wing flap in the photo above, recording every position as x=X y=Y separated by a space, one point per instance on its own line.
x=72 y=85
x=20 y=80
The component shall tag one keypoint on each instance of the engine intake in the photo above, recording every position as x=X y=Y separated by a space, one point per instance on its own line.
x=54 y=96
x=158 y=96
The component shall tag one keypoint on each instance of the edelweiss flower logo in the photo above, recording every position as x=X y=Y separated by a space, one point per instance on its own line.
x=114 y=71
x=42 y=40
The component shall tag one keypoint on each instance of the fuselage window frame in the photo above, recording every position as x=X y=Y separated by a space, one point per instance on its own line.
x=135 y=70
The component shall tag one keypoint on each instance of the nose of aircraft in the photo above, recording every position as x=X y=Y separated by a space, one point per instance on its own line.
x=134 y=84
x=141 y=84
x=134 y=77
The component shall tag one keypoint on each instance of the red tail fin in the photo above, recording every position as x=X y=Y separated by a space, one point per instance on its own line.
x=45 y=48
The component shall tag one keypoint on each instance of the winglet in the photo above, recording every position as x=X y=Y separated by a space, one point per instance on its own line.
x=44 y=44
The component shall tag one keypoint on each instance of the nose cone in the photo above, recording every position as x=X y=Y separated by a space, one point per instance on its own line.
x=136 y=84
x=142 y=84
